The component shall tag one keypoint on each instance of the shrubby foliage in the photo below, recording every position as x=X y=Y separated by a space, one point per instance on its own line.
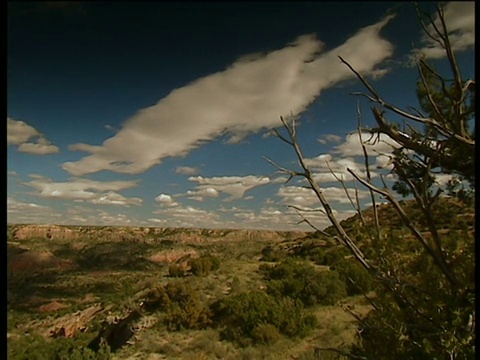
x=272 y=253
x=35 y=347
x=184 y=307
x=248 y=314
x=301 y=281
x=202 y=266
x=357 y=279
x=176 y=270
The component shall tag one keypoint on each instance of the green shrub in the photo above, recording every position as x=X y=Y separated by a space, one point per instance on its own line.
x=335 y=255
x=203 y=265
x=357 y=279
x=301 y=281
x=270 y=253
x=216 y=262
x=317 y=255
x=266 y=334
x=176 y=270
x=184 y=308
x=35 y=347
x=200 y=266
x=241 y=315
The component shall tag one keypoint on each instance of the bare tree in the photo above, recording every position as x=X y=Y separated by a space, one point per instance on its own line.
x=416 y=315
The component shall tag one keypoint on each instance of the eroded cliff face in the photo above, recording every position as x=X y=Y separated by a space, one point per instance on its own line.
x=43 y=231
x=146 y=234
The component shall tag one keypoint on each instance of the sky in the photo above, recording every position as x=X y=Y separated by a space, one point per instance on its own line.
x=160 y=114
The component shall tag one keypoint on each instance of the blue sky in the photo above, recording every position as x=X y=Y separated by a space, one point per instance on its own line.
x=158 y=113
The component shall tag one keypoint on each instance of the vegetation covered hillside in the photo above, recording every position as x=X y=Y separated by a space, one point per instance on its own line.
x=224 y=299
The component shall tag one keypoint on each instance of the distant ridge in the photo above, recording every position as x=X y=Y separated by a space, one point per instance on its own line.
x=20 y=232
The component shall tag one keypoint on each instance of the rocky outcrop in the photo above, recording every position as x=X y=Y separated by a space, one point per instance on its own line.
x=52 y=306
x=69 y=325
x=172 y=256
x=44 y=231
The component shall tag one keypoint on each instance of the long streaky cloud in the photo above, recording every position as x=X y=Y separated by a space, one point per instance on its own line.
x=84 y=190
x=247 y=97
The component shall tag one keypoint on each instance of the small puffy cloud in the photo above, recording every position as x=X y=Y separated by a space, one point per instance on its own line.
x=187 y=170
x=157 y=221
x=247 y=97
x=112 y=198
x=298 y=196
x=460 y=22
x=78 y=189
x=281 y=218
x=325 y=168
x=374 y=145
x=12 y=173
x=166 y=200
x=19 y=133
x=304 y=197
x=189 y=216
x=114 y=219
x=201 y=194
x=235 y=186
x=443 y=179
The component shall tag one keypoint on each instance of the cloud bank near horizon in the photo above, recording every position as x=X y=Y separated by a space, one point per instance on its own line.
x=247 y=97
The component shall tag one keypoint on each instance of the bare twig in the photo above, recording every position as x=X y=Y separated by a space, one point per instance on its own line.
x=367 y=171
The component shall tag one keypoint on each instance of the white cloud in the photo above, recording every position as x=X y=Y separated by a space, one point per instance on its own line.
x=294 y=195
x=349 y=155
x=12 y=173
x=330 y=138
x=201 y=194
x=115 y=219
x=304 y=197
x=189 y=216
x=377 y=144
x=91 y=191
x=19 y=212
x=245 y=98
x=17 y=206
x=443 y=179
x=166 y=200
x=187 y=170
x=460 y=22
x=112 y=198
x=19 y=133
x=235 y=186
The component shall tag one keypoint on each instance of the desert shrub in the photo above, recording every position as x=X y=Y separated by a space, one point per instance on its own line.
x=271 y=253
x=301 y=281
x=317 y=255
x=203 y=265
x=335 y=255
x=351 y=270
x=241 y=315
x=215 y=261
x=266 y=334
x=176 y=270
x=184 y=308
